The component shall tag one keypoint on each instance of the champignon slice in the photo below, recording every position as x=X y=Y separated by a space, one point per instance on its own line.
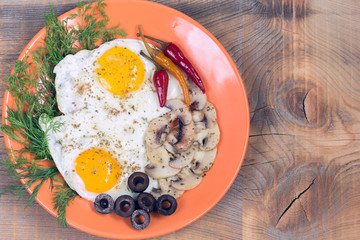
x=157 y=131
x=173 y=136
x=186 y=137
x=197 y=116
x=157 y=156
x=199 y=126
x=166 y=188
x=180 y=110
x=162 y=171
x=182 y=159
x=208 y=138
x=198 y=99
x=203 y=160
x=209 y=115
x=187 y=180
x=169 y=147
x=159 y=163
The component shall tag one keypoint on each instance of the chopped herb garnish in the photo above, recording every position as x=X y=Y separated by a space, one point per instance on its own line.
x=32 y=87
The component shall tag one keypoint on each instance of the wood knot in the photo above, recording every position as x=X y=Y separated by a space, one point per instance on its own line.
x=285 y=9
x=303 y=103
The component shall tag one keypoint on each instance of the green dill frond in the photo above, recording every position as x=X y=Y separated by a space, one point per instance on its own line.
x=34 y=174
x=82 y=3
x=61 y=199
x=92 y=27
x=32 y=87
x=24 y=126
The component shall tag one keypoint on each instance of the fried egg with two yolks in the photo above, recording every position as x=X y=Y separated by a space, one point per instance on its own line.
x=106 y=97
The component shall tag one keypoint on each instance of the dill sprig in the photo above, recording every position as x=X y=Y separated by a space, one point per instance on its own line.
x=32 y=87
x=91 y=29
x=31 y=172
x=61 y=199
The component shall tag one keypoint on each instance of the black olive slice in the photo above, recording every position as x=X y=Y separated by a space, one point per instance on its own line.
x=104 y=203
x=166 y=205
x=138 y=182
x=140 y=219
x=124 y=205
x=146 y=201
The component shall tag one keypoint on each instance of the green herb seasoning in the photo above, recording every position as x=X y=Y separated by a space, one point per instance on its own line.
x=32 y=86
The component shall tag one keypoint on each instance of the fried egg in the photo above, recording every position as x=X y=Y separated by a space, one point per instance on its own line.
x=106 y=97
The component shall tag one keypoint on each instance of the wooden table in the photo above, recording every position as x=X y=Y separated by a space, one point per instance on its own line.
x=300 y=63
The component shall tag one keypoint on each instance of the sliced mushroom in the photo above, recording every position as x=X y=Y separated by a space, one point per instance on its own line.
x=173 y=136
x=183 y=159
x=203 y=160
x=159 y=163
x=180 y=110
x=208 y=138
x=169 y=147
x=186 y=136
x=198 y=116
x=198 y=99
x=157 y=131
x=200 y=126
x=206 y=115
x=162 y=171
x=209 y=115
x=187 y=180
x=157 y=156
x=166 y=188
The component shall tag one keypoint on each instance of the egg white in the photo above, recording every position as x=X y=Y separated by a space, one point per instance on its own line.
x=92 y=117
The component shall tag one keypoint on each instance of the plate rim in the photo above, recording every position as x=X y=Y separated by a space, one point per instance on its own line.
x=39 y=35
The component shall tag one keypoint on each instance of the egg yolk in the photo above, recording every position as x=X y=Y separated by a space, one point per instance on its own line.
x=98 y=169
x=121 y=70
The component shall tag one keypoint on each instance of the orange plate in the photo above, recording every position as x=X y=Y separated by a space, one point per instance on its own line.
x=224 y=89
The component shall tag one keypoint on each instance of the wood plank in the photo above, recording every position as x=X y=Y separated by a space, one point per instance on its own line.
x=299 y=60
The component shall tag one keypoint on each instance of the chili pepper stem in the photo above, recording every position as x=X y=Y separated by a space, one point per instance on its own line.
x=158 y=67
x=160 y=42
x=150 y=50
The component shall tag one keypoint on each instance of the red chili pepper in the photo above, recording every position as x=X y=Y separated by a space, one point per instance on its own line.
x=166 y=63
x=176 y=55
x=160 y=79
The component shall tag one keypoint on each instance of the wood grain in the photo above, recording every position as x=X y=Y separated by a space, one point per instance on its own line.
x=300 y=62
x=302 y=165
